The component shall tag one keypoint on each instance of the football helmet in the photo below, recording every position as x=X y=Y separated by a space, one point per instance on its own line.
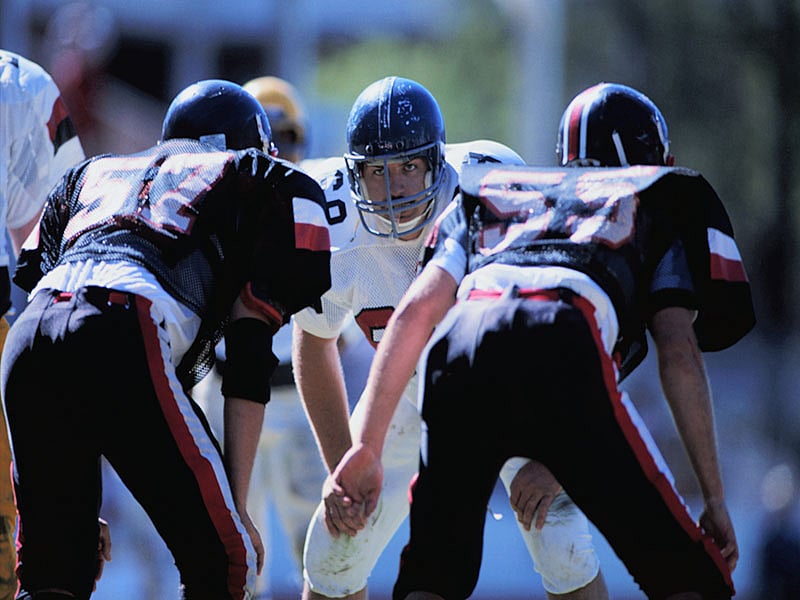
x=221 y=113
x=395 y=120
x=287 y=116
x=610 y=125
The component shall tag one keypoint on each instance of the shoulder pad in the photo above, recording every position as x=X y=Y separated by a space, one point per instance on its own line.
x=480 y=152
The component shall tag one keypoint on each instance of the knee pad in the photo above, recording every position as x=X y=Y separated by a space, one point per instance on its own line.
x=563 y=551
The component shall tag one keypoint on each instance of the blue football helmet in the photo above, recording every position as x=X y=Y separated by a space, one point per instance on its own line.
x=395 y=120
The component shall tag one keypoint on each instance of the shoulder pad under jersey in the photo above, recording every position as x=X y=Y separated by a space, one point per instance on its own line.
x=480 y=152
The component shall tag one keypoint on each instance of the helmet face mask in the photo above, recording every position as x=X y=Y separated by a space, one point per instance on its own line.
x=395 y=120
x=220 y=113
x=612 y=125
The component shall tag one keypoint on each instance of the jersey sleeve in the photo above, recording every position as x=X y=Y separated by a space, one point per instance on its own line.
x=292 y=268
x=446 y=246
x=671 y=283
x=337 y=306
x=328 y=323
x=724 y=298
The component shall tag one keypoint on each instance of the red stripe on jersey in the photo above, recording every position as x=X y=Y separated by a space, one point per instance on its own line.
x=218 y=509
x=727 y=269
x=58 y=114
x=312 y=237
x=253 y=302
x=642 y=453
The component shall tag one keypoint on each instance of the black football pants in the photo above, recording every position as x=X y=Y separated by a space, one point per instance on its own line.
x=522 y=377
x=87 y=375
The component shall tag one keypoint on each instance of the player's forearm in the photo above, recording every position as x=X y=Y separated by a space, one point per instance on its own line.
x=419 y=312
x=320 y=383
x=691 y=408
x=242 y=429
x=687 y=392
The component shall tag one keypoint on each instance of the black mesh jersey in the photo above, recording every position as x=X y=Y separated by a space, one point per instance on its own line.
x=615 y=225
x=208 y=224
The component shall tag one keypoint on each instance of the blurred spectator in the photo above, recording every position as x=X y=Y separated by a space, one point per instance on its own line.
x=80 y=39
x=779 y=568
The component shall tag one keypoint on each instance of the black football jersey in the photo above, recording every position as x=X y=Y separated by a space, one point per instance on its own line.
x=209 y=224
x=615 y=225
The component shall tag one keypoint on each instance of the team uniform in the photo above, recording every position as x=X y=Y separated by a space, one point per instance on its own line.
x=38 y=144
x=138 y=263
x=288 y=471
x=548 y=290
x=369 y=276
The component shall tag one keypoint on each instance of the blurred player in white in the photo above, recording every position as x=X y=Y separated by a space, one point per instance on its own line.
x=288 y=472
x=381 y=198
x=38 y=142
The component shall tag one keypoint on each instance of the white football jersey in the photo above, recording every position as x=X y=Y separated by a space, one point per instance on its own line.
x=369 y=273
x=37 y=142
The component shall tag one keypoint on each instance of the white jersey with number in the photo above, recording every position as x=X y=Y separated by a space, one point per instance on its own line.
x=370 y=273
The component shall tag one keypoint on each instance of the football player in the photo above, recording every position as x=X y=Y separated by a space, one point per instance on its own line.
x=288 y=472
x=140 y=264
x=381 y=199
x=558 y=273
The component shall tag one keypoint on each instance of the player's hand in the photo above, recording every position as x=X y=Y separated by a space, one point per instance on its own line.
x=342 y=515
x=255 y=538
x=716 y=522
x=358 y=478
x=103 y=550
x=532 y=491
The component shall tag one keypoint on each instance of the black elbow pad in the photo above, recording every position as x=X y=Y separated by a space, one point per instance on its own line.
x=249 y=361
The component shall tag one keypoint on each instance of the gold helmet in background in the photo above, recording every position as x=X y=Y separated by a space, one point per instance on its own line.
x=286 y=115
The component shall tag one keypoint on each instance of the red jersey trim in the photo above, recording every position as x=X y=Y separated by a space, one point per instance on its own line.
x=727 y=269
x=251 y=301
x=312 y=237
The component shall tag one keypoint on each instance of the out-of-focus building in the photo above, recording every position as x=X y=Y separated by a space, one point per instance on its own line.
x=128 y=59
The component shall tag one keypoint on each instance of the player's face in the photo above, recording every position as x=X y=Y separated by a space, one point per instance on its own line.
x=405 y=179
